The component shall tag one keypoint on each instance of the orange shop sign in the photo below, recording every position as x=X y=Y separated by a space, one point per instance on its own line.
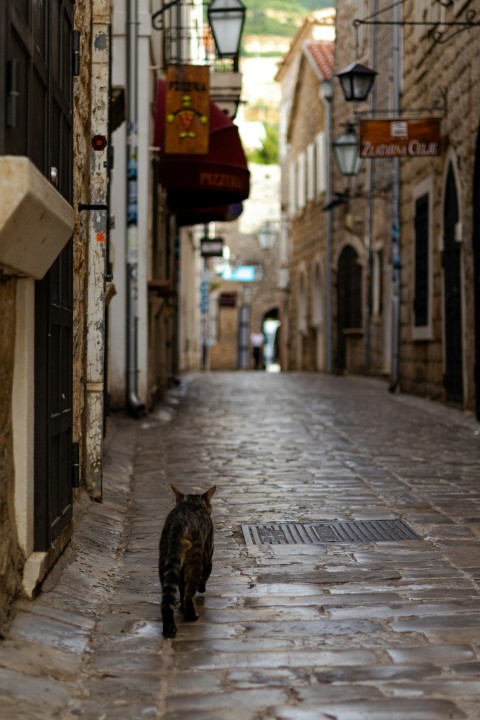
x=397 y=137
x=187 y=109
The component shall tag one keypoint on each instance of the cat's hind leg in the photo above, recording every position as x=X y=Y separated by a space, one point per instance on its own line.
x=181 y=588
x=207 y=569
x=192 y=579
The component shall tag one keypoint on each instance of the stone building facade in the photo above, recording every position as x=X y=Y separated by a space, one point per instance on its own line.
x=405 y=280
x=362 y=221
x=50 y=440
x=238 y=308
x=58 y=114
x=303 y=151
x=440 y=329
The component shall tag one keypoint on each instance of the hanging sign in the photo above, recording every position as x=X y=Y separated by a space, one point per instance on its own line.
x=400 y=138
x=187 y=107
x=212 y=247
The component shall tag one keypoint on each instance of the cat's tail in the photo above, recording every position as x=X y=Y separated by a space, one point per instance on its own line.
x=171 y=579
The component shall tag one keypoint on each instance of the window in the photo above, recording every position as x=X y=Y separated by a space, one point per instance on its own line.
x=292 y=189
x=301 y=180
x=320 y=164
x=422 y=261
x=311 y=167
x=37 y=84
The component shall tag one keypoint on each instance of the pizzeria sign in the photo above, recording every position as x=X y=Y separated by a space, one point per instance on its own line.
x=399 y=138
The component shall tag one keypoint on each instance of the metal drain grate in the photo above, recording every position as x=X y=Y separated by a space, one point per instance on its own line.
x=361 y=531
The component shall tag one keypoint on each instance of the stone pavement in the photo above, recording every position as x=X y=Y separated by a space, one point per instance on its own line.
x=337 y=630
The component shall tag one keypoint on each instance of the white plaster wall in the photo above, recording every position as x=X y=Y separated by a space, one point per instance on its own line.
x=118 y=199
x=118 y=331
x=144 y=189
x=23 y=413
x=117 y=318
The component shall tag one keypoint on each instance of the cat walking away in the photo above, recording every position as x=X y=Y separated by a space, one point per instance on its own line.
x=186 y=549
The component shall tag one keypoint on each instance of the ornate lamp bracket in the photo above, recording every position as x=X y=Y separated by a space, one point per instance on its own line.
x=157 y=18
x=440 y=32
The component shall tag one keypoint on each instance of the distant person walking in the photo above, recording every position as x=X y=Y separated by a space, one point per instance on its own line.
x=256 y=340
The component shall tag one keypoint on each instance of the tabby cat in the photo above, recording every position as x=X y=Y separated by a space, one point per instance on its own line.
x=186 y=549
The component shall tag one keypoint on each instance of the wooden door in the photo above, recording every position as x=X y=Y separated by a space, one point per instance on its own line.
x=476 y=273
x=453 y=378
x=349 y=300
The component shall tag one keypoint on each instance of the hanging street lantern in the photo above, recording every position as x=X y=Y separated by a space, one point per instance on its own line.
x=356 y=81
x=267 y=235
x=226 y=19
x=346 y=149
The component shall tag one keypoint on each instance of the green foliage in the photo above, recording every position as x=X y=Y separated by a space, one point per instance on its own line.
x=268 y=153
x=279 y=17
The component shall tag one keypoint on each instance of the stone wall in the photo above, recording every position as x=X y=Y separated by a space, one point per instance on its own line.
x=365 y=222
x=429 y=70
x=308 y=228
x=81 y=193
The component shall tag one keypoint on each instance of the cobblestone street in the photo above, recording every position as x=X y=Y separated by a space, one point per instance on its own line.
x=384 y=630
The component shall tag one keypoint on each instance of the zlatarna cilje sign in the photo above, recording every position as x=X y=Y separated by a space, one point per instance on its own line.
x=187 y=106
x=399 y=138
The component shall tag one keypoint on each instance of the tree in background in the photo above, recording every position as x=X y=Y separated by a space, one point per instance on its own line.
x=268 y=153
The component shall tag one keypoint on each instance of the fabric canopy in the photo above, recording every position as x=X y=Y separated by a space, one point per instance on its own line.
x=199 y=216
x=220 y=178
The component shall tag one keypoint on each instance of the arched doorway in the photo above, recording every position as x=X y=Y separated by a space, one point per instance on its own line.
x=271 y=333
x=302 y=323
x=349 y=300
x=476 y=265
x=453 y=378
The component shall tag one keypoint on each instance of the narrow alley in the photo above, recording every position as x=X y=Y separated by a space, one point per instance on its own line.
x=344 y=628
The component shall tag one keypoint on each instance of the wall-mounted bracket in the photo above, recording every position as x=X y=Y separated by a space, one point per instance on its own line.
x=157 y=18
x=441 y=32
x=440 y=107
x=98 y=206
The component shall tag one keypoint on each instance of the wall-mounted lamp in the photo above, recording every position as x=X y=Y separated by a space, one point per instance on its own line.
x=356 y=81
x=267 y=235
x=227 y=18
x=346 y=148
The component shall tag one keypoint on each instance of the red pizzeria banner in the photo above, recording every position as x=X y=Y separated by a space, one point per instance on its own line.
x=399 y=138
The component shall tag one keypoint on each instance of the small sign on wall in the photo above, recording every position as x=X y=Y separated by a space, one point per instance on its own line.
x=211 y=247
x=227 y=300
x=398 y=137
x=187 y=110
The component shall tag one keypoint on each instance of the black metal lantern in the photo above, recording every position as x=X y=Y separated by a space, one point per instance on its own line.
x=356 y=81
x=226 y=19
x=346 y=150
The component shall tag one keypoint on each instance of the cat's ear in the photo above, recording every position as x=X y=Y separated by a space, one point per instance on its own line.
x=210 y=493
x=178 y=495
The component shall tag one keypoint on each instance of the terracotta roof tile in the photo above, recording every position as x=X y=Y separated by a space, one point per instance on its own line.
x=322 y=53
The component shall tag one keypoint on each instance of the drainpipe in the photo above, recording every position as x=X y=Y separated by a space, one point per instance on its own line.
x=135 y=407
x=396 y=259
x=326 y=93
x=370 y=214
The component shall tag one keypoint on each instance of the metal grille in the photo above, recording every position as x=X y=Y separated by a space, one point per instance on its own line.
x=361 y=531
